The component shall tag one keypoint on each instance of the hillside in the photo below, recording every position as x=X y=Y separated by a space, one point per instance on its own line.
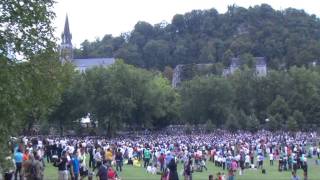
x=285 y=38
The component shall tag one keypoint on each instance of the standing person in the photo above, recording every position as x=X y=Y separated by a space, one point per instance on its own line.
x=33 y=168
x=38 y=167
x=29 y=168
x=146 y=157
x=119 y=160
x=103 y=171
x=241 y=163
x=108 y=156
x=75 y=166
x=161 y=161
x=233 y=170
x=173 y=174
x=26 y=155
x=305 y=169
x=62 y=166
x=231 y=175
x=48 y=152
x=18 y=159
x=168 y=159
x=97 y=159
x=203 y=164
x=83 y=167
x=188 y=169
x=91 y=155
x=260 y=161
x=251 y=157
x=271 y=159
x=247 y=161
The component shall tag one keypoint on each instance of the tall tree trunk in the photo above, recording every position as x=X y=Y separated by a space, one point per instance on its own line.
x=109 y=134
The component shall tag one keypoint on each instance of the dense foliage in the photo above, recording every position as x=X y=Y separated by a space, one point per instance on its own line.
x=281 y=100
x=28 y=88
x=25 y=27
x=119 y=97
x=28 y=91
x=123 y=97
x=288 y=37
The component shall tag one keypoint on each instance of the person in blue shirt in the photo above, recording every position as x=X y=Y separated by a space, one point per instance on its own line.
x=168 y=158
x=75 y=164
x=18 y=159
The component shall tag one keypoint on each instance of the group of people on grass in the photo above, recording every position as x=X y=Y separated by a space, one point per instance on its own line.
x=159 y=153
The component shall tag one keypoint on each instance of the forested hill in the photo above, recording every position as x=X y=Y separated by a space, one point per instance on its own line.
x=288 y=37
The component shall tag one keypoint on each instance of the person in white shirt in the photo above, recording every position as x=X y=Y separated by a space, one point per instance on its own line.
x=98 y=159
x=271 y=159
x=247 y=160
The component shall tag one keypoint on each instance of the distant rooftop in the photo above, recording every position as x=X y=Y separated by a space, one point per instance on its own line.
x=91 y=62
x=236 y=61
x=261 y=61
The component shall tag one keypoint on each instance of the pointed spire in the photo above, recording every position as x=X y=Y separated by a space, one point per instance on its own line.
x=66 y=35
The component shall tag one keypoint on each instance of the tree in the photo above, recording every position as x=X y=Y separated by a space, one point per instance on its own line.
x=206 y=98
x=243 y=84
x=72 y=106
x=232 y=123
x=274 y=122
x=156 y=54
x=26 y=27
x=254 y=123
x=178 y=23
x=279 y=106
x=123 y=96
x=25 y=31
x=299 y=118
x=46 y=79
x=168 y=73
x=292 y=124
x=209 y=126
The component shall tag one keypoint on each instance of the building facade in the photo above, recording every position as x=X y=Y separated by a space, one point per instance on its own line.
x=236 y=63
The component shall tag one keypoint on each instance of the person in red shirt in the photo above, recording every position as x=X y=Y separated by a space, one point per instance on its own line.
x=161 y=161
x=112 y=175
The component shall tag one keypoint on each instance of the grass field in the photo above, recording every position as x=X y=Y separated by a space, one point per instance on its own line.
x=139 y=173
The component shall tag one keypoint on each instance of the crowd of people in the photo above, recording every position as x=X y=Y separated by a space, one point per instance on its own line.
x=159 y=153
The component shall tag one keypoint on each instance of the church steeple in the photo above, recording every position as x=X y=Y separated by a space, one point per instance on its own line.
x=66 y=35
x=66 y=53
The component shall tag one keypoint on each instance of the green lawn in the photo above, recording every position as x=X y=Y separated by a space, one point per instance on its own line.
x=139 y=173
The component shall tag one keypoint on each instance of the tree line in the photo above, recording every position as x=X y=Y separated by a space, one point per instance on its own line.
x=118 y=97
x=282 y=100
x=124 y=97
x=285 y=37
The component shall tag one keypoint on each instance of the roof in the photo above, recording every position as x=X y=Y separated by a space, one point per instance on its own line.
x=260 y=61
x=91 y=62
x=235 y=61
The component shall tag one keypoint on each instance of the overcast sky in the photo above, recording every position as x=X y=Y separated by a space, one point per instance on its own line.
x=90 y=19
